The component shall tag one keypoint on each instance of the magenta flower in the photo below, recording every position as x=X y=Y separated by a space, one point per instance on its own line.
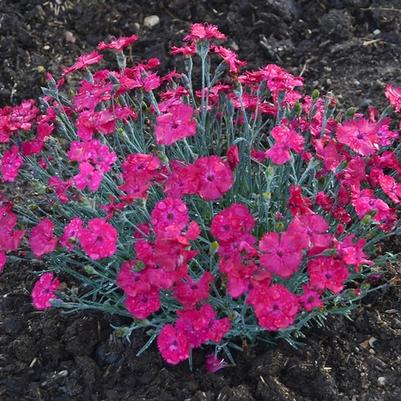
x=42 y=239
x=173 y=345
x=286 y=139
x=60 y=188
x=11 y=163
x=189 y=292
x=282 y=253
x=98 y=239
x=3 y=260
x=232 y=223
x=275 y=307
x=360 y=135
x=310 y=299
x=44 y=291
x=204 y=32
x=214 y=364
x=71 y=233
x=215 y=178
x=83 y=62
x=326 y=272
x=118 y=44
x=88 y=176
x=393 y=94
x=176 y=124
x=169 y=212
x=143 y=304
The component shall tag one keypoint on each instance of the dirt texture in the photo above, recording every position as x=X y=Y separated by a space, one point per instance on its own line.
x=350 y=47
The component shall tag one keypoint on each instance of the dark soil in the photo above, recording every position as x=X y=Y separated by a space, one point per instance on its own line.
x=351 y=47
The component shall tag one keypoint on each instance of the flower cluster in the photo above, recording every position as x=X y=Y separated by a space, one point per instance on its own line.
x=231 y=208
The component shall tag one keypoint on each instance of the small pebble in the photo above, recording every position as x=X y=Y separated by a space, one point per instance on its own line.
x=381 y=381
x=151 y=21
x=69 y=37
x=377 y=32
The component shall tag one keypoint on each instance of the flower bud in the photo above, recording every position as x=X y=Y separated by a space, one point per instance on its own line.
x=88 y=269
x=122 y=331
x=267 y=195
x=367 y=219
x=214 y=246
x=139 y=266
x=298 y=108
x=315 y=94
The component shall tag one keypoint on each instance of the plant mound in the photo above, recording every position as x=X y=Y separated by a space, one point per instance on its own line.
x=211 y=206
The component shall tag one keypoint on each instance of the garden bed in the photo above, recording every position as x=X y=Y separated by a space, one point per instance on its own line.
x=353 y=50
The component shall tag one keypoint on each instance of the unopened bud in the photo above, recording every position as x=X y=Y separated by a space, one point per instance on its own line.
x=315 y=94
x=350 y=112
x=280 y=226
x=267 y=195
x=270 y=170
x=121 y=331
x=367 y=219
x=88 y=269
x=139 y=266
x=214 y=246
x=298 y=108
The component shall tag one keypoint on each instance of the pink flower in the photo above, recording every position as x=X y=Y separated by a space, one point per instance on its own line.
x=88 y=176
x=176 y=124
x=11 y=163
x=204 y=32
x=181 y=181
x=297 y=203
x=118 y=44
x=42 y=239
x=132 y=282
x=230 y=57
x=275 y=307
x=352 y=252
x=139 y=170
x=330 y=154
x=189 y=292
x=311 y=230
x=214 y=364
x=390 y=187
x=200 y=325
x=232 y=223
x=71 y=233
x=282 y=253
x=89 y=122
x=98 y=239
x=326 y=272
x=360 y=135
x=60 y=187
x=143 y=304
x=310 y=299
x=215 y=178
x=91 y=94
x=233 y=156
x=366 y=203
x=169 y=212
x=44 y=291
x=9 y=237
x=324 y=201
x=173 y=345
x=286 y=139
x=393 y=94
x=83 y=61
x=3 y=260
x=184 y=50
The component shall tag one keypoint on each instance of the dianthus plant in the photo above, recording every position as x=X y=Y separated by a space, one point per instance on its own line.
x=212 y=206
